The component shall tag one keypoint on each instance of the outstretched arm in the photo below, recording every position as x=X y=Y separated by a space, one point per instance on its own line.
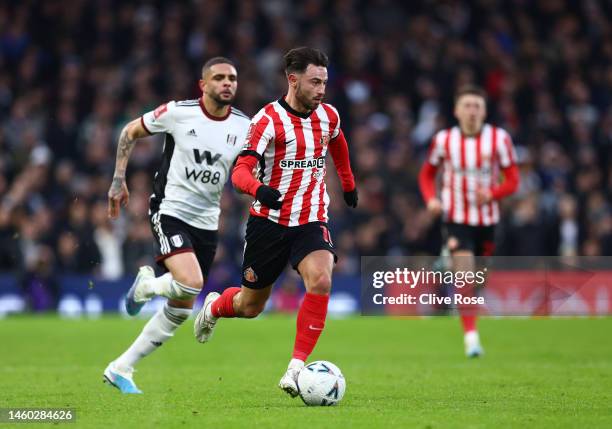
x=338 y=148
x=427 y=185
x=118 y=193
x=242 y=175
x=243 y=180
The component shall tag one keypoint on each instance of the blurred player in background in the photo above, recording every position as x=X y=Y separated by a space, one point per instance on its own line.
x=202 y=139
x=288 y=140
x=471 y=156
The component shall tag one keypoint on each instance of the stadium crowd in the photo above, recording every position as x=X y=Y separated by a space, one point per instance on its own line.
x=73 y=72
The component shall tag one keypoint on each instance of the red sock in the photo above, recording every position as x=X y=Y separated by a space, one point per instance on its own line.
x=468 y=322
x=310 y=324
x=224 y=305
x=468 y=312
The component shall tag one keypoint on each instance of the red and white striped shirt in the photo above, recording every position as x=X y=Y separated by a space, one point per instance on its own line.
x=291 y=148
x=469 y=164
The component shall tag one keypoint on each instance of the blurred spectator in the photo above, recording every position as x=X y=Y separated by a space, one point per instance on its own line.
x=72 y=72
x=40 y=287
x=108 y=242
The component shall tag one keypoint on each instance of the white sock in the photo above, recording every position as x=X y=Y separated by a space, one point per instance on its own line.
x=158 y=286
x=296 y=364
x=208 y=312
x=156 y=332
x=166 y=286
x=471 y=337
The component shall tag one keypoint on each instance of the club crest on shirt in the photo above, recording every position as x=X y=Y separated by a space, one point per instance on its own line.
x=485 y=157
x=160 y=111
x=249 y=275
x=177 y=240
x=318 y=173
x=325 y=140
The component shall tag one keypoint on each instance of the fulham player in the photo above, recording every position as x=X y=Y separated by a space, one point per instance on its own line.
x=203 y=137
x=287 y=142
x=473 y=157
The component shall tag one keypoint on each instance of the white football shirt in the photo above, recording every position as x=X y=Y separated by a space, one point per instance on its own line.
x=198 y=155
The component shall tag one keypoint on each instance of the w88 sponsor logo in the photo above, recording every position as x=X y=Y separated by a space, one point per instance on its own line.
x=204 y=176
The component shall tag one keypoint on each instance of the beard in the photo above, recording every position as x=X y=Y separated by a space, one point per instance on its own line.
x=308 y=103
x=221 y=101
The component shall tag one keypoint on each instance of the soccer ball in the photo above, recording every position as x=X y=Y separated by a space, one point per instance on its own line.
x=321 y=383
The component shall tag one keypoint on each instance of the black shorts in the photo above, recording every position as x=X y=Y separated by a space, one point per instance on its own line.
x=174 y=236
x=478 y=239
x=269 y=246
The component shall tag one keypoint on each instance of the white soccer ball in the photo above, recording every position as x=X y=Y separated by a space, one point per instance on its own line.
x=321 y=383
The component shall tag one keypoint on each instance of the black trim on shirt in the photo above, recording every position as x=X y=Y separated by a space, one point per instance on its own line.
x=161 y=178
x=188 y=103
x=251 y=152
x=262 y=162
x=291 y=110
x=239 y=113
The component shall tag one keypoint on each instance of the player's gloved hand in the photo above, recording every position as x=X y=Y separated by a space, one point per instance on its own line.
x=351 y=198
x=269 y=196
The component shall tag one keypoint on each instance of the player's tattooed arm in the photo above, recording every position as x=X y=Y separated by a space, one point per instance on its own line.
x=118 y=193
x=130 y=133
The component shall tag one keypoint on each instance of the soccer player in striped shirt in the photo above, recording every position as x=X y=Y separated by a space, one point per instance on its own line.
x=287 y=142
x=471 y=156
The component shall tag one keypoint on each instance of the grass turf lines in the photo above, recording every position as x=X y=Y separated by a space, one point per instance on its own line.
x=400 y=373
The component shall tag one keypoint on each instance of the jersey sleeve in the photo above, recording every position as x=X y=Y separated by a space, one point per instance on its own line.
x=259 y=135
x=436 y=150
x=505 y=149
x=160 y=120
x=334 y=120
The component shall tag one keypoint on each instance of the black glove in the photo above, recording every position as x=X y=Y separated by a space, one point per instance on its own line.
x=269 y=196
x=351 y=198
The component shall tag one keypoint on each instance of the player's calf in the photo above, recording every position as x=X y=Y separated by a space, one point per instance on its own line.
x=234 y=302
x=159 y=329
x=248 y=305
x=251 y=311
x=316 y=269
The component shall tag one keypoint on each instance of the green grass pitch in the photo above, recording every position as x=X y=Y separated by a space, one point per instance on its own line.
x=400 y=373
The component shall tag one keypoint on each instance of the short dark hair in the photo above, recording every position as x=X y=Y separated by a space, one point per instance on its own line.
x=470 y=89
x=217 y=60
x=298 y=59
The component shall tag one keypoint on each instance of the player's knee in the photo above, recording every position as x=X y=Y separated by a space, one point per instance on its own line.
x=319 y=283
x=191 y=280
